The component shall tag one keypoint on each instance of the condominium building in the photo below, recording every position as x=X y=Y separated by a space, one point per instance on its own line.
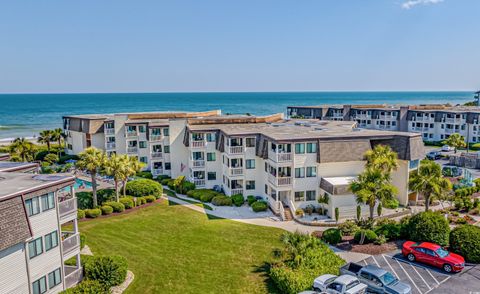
x=434 y=122
x=289 y=163
x=33 y=244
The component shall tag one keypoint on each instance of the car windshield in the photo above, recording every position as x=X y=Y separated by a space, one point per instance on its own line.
x=442 y=252
x=388 y=279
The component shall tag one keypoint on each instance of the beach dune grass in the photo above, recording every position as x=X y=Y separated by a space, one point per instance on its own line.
x=172 y=249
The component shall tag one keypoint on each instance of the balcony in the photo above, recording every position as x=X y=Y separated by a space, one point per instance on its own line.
x=451 y=131
x=157 y=171
x=157 y=155
x=109 y=131
x=110 y=145
x=70 y=244
x=198 y=144
x=279 y=181
x=198 y=163
x=132 y=149
x=67 y=210
x=280 y=157
x=131 y=134
x=237 y=171
x=236 y=191
x=73 y=275
x=155 y=137
x=235 y=150
x=199 y=182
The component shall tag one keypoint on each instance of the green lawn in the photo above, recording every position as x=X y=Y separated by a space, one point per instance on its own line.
x=172 y=249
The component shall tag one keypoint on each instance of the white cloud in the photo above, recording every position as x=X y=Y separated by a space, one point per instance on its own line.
x=412 y=3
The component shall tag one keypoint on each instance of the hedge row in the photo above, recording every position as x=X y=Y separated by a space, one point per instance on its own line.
x=109 y=207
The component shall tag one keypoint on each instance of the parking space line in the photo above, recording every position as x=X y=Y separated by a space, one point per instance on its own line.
x=429 y=288
x=415 y=284
x=418 y=265
x=434 y=277
x=395 y=273
x=365 y=261
x=375 y=261
x=438 y=284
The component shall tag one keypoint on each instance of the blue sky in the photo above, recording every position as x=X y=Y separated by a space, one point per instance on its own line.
x=244 y=45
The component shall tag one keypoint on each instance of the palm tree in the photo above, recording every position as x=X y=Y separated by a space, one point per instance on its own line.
x=429 y=182
x=371 y=186
x=46 y=137
x=58 y=135
x=23 y=148
x=92 y=160
x=115 y=167
x=456 y=141
x=382 y=157
x=132 y=167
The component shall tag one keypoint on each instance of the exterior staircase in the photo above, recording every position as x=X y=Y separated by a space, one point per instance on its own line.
x=288 y=213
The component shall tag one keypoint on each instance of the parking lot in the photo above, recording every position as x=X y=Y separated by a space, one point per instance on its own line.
x=422 y=278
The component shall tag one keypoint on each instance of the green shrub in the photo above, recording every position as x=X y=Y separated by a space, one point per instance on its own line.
x=40 y=156
x=238 y=199
x=83 y=240
x=465 y=240
x=204 y=195
x=139 y=201
x=88 y=287
x=348 y=228
x=185 y=187
x=145 y=175
x=51 y=158
x=117 y=206
x=150 y=198
x=64 y=158
x=381 y=239
x=391 y=203
x=429 y=227
x=108 y=270
x=299 y=212
x=165 y=181
x=106 y=209
x=332 y=236
x=259 y=206
x=84 y=200
x=160 y=178
x=404 y=226
x=80 y=214
x=144 y=187
x=370 y=236
x=222 y=201
x=93 y=213
x=106 y=195
x=251 y=199
x=391 y=231
x=127 y=202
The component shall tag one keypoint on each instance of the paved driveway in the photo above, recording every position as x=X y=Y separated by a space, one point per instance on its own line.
x=422 y=278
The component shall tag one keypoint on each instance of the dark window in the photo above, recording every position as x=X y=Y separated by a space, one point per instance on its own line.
x=54 y=278
x=35 y=247
x=211 y=176
x=32 y=206
x=168 y=166
x=48 y=201
x=250 y=185
x=51 y=240
x=39 y=286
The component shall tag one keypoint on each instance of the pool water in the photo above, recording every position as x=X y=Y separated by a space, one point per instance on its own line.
x=82 y=184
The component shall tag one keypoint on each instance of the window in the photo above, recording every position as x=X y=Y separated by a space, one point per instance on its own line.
x=143 y=144
x=311 y=195
x=166 y=149
x=35 y=247
x=299 y=172
x=40 y=286
x=250 y=163
x=32 y=206
x=311 y=171
x=144 y=159
x=266 y=167
x=250 y=185
x=211 y=176
x=51 y=240
x=141 y=129
x=299 y=148
x=211 y=137
x=166 y=132
x=311 y=147
x=168 y=166
x=211 y=156
x=299 y=196
x=48 y=201
x=266 y=189
x=54 y=278
x=250 y=142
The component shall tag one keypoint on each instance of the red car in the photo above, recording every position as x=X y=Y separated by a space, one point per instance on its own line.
x=434 y=255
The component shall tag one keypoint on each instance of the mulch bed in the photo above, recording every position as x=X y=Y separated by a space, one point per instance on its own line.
x=349 y=244
x=126 y=211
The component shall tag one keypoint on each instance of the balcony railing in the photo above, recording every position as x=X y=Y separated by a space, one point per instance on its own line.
x=236 y=171
x=198 y=144
x=235 y=150
x=279 y=181
x=451 y=131
x=237 y=191
x=109 y=131
x=131 y=134
x=110 y=145
x=71 y=243
x=155 y=137
x=132 y=149
x=198 y=163
x=73 y=275
x=157 y=155
x=157 y=171
x=67 y=209
x=199 y=182
x=280 y=157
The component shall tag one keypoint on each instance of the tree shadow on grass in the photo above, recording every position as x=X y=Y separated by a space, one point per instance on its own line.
x=263 y=270
x=209 y=216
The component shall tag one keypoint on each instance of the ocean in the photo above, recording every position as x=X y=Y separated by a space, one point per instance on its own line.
x=24 y=115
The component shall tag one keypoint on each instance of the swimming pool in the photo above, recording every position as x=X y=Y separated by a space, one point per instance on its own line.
x=82 y=184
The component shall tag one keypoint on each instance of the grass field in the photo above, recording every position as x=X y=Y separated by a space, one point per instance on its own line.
x=172 y=249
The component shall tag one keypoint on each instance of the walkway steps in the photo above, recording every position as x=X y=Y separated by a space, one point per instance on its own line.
x=288 y=213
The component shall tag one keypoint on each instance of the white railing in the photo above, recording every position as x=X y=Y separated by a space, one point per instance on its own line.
x=155 y=137
x=238 y=171
x=198 y=163
x=67 y=207
x=281 y=211
x=132 y=149
x=157 y=155
x=198 y=144
x=272 y=179
x=237 y=191
x=284 y=181
x=292 y=207
x=235 y=150
x=71 y=243
x=110 y=145
x=131 y=134
x=450 y=131
x=109 y=131
x=199 y=182
x=284 y=157
x=73 y=275
x=157 y=171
